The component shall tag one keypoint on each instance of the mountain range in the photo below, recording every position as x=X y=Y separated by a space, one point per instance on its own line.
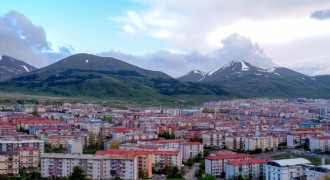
x=253 y=81
x=10 y=67
x=86 y=75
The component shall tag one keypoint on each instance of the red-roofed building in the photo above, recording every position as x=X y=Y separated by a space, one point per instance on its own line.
x=145 y=157
x=251 y=168
x=215 y=165
x=319 y=144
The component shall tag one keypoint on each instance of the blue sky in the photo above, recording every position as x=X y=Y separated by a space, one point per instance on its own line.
x=173 y=36
x=84 y=24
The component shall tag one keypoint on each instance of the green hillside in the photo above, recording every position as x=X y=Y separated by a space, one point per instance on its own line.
x=85 y=75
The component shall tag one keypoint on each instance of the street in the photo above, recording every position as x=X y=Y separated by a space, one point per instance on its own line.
x=190 y=174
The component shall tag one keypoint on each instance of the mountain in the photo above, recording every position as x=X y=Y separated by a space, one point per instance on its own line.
x=253 y=81
x=10 y=67
x=192 y=76
x=85 y=75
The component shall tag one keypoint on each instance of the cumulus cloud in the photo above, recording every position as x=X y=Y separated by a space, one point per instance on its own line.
x=276 y=25
x=235 y=47
x=23 y=40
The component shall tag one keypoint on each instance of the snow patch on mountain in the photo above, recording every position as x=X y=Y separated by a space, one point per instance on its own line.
x=271 y=70
x=26 y=69
x=244 y=66
x=212 y=72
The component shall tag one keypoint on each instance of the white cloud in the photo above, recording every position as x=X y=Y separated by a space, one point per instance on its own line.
x=155 y=23
x=202 y=25
x=21 y=39
x=277 y=31
x=174 y=63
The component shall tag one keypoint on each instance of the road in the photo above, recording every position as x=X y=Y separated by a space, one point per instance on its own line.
x=270 y=154
x=190 y=174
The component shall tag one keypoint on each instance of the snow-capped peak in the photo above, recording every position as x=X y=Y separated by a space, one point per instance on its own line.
x=199 y=72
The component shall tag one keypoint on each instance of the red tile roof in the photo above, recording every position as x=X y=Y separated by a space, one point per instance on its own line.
x=249 y=161
x=228 y=156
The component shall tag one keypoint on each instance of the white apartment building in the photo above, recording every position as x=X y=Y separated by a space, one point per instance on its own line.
x=321 y=144
x=296 y=139
x=286 y=169
x=74 y=147
x=191 y=149
x=250 y=168
x=96 y=167
x=317 y=172
x=260 y=142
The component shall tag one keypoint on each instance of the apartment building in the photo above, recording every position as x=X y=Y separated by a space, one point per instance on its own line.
x=214 y=139
x=191 y=149
x=96 y=167
x=145 y=158
x=235 y=142
x=317 y=172
x=9 y=163
x=167 y=157
x=9 y=145
x=286 y=169
x=215 y=165
x=251 y=168
x=321 y=144
x=297 y=139
x=62 y=140
x=260 y=142
x=29 y=157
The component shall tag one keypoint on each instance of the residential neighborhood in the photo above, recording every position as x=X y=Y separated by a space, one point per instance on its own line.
x=233 y=139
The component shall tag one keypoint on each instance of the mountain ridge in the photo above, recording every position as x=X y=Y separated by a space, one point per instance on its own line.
x=253 y=81
x=10 y=67
x=87 y=75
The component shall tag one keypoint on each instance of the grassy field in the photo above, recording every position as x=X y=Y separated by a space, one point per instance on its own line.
x=315 y=160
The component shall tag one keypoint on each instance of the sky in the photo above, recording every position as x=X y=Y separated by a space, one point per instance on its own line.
x=173 y=36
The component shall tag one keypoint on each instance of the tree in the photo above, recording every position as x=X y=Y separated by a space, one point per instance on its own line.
x=114 y=145
x=190 y=162
x=143 y=174
x=198 y=157
x=91 y=139
x=101 y=141
x=208 y=177
x=206 y=152
x=172 y=171
x=78 y=174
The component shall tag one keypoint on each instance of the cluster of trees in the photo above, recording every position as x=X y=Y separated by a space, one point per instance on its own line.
x=167 y=135
x=170 y=171
x=143 y=174
x=50 y=149
x=94 y=146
